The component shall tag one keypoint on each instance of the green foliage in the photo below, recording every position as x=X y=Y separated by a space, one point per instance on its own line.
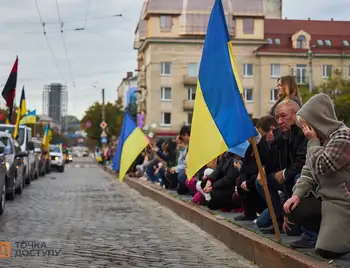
x=93 y=114
x=339 y=90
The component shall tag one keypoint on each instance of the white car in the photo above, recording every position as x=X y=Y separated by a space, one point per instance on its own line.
x=57 y=158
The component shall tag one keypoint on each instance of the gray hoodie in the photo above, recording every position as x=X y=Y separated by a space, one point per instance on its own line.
x=327 y=172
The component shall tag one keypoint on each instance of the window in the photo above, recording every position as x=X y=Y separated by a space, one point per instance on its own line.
x=248 y=70
x=166 y=119
x=192 y=70
x=327 y=70
x=189 y=118
x=277 y=41
x=269 y=41
x=301 y=41
x=275 y=70
x=5 y=141
x=345 y=43
x=165 y=68
x=165 y=93
x=191 y=93
x=328 y=43
x=301 y=74
x=248 y=26
x=248 y=94
x=166 y=23
x=320 y=42
x=274 y=94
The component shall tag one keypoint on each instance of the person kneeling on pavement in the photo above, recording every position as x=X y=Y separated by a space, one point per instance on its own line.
x=321 y=197
x=221 y=182
x=287 y=157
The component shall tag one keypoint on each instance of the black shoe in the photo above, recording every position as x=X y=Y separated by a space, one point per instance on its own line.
x=244 y=218
x=303 y=243
x=270 y=229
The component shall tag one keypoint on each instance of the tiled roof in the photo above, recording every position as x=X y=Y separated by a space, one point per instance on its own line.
x=334 y=31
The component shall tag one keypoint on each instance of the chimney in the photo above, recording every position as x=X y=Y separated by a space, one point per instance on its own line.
x=129 y=74
x=285 y=18
x=308 y=19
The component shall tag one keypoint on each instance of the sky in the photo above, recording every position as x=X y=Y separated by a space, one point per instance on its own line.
x=94 y=58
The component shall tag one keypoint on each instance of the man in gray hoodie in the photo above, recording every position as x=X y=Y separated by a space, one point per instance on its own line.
x=321 y=197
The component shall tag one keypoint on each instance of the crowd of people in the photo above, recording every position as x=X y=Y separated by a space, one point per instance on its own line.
x=305 y=153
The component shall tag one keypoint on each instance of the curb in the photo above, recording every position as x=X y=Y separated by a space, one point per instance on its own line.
x=263 y=252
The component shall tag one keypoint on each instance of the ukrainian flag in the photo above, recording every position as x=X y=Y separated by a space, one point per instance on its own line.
x=22 y=110
x=29 y=118
x=130 y=144
x=47 y=138
x=220 y=120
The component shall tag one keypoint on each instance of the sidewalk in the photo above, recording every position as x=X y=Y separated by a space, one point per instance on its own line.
x=242 y=237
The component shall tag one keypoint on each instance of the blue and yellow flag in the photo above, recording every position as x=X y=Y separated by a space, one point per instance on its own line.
x=220 y=120
x=130 y=144
x=47 y=138
x=29 y=118
x=22 y=110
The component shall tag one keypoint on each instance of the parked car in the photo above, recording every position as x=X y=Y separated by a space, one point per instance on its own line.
x=40 y=161
x=57 y=158
x=25 y=141
x=14 y=162
x=69 y=156
x=3 y=171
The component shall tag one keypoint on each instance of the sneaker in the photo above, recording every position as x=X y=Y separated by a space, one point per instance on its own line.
x=244 y=218
x=303 y=242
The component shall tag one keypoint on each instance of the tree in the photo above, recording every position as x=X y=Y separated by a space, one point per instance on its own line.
x=338 y=89
x=93 y=115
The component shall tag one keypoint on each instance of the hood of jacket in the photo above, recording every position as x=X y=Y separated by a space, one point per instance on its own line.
x=319 y=112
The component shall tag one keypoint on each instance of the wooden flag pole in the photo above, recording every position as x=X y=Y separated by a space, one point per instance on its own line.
x=265 y=187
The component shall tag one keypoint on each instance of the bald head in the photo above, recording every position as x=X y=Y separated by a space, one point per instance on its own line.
x=286 y=113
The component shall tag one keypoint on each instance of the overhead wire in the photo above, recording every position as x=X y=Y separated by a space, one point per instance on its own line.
x=64 y=43
x=87 y=13
x=47 y=40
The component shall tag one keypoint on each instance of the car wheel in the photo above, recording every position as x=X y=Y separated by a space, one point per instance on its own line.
x=11 y=196
x=61 y=169
x=19 y=190
x=29 y=179
x=3 y=200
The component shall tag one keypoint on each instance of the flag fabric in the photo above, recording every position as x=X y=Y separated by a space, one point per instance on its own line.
x=9 y=91
x=220 y=120
x=131 y=142
x=47 y=138
x=240 y=149
x=22 y=110
x=29 y=118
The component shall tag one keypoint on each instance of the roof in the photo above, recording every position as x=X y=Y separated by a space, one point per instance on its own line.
x=45 y=118
x=334 y=31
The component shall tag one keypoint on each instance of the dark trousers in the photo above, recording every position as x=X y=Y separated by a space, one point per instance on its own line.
x=221 y=198
x=252 y=202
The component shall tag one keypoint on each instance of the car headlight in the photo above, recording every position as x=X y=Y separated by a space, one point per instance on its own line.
x=7 y=164
x=57 y=158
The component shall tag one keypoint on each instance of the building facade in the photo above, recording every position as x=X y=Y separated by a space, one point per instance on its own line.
x=130 y=81
x=55 y=101
x=170 y=37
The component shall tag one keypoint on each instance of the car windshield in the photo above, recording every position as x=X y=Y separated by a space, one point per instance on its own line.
x=55 y=149
x=10 y=130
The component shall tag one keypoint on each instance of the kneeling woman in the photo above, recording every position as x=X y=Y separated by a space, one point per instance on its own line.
x=321 y=197
x=221 y=182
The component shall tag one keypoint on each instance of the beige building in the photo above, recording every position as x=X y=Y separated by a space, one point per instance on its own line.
x=170 y=37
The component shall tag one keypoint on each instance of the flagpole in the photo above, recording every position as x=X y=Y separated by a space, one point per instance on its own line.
x=265 y=186
x=34 y=130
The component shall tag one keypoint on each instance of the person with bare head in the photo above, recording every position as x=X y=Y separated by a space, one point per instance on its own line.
x=286 y=159
x=287 y=90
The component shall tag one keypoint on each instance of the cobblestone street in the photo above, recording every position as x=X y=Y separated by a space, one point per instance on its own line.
x=86 y=219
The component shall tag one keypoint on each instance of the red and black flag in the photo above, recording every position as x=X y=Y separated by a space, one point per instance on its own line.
x=9 y=90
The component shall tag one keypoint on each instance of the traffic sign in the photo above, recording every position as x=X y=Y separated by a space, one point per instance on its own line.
x=103 y=125
x=104 y=140
x=103 y=134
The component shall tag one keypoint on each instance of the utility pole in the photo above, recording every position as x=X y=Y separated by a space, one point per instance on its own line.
x=103 y=105
x=310 y=70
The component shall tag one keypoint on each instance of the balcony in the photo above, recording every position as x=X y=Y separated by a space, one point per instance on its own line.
x=189 y=80
x=142 y=83
x=188 y=105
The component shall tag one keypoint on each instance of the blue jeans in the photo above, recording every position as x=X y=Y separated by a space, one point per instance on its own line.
x=264 y=219
x=161 y=176
x=150 y=170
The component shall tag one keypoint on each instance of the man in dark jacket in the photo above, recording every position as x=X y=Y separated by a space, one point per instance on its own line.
x=252 y=202
x=287 y=157
x=220 y=184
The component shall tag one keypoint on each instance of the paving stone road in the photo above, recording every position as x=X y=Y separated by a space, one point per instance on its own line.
x=83 y=218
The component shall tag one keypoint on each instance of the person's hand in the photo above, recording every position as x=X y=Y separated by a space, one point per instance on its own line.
x=205 y=177
x=172 y=170
x=279 y=177
x=286 y=225
x=236 y=190
x=309 y=132
x=291 y=204
x=208 y=187
x=244 y=186
x=259 y=179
